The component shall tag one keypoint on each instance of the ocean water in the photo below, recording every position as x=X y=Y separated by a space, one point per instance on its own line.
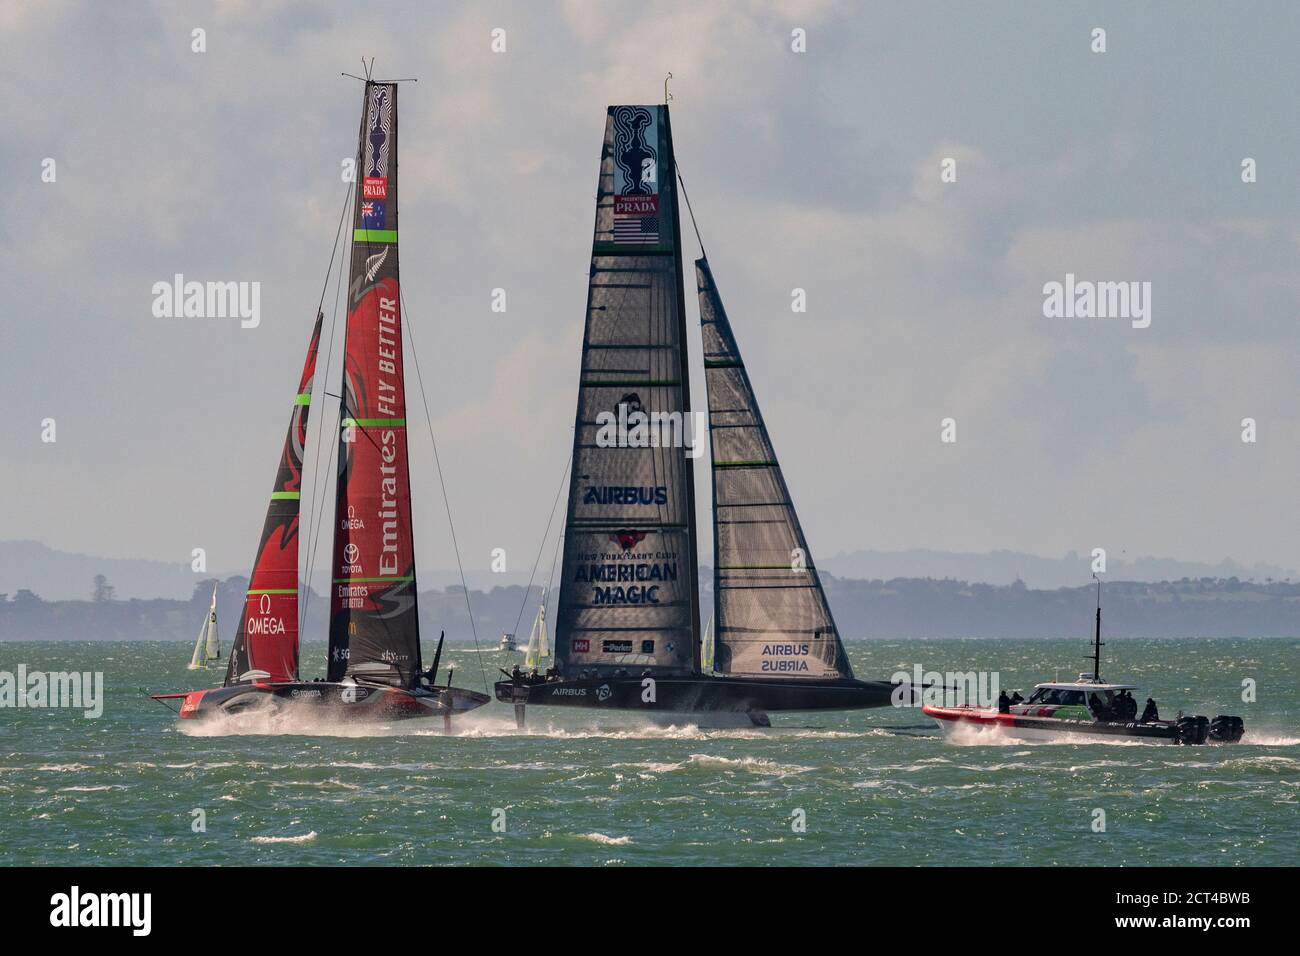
x=869 y=787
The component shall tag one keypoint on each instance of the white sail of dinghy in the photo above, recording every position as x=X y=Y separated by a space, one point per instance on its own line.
x=207 y=647
x=539 y=645
x=196 y=659
x=212 y=644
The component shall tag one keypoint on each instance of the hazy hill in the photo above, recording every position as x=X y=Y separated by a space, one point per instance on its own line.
x=1006 y=567
x=897 y=608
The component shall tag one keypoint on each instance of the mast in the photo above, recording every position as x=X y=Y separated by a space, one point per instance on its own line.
x=267 y=637
x=628 y=590
x=374 y=625
x=683 y=360
x=771 y=616
x=1097 y=645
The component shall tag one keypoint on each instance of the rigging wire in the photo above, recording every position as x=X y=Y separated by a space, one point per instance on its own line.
x=446 y=502
x=555 y=560
x=541 y=546
x=681 y=179
x=338 y=234
x=320 y=434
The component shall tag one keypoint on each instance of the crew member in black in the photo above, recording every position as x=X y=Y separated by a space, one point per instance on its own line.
x=1004 y=703
x=1150 y=713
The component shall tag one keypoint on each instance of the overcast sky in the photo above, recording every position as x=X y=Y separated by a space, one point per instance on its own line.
x=817 y=170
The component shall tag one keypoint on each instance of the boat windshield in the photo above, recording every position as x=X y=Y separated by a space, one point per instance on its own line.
x=1056 y=695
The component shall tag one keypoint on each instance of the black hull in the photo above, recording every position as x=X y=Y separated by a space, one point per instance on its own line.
x=698 y=694
x=359 y=703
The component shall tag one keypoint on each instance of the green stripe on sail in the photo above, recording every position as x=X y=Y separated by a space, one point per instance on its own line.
x=371 y=580
x=272 y=590
x=286 y=495
x=374 y=422
x=302 y=398
x=723 y=364
x=374 y=235
x=744 y=464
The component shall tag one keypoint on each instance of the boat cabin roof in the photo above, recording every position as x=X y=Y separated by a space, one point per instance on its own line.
x=1088 y=684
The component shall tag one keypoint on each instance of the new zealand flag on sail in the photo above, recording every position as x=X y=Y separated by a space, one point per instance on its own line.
x=636 y=177
x=372 y=215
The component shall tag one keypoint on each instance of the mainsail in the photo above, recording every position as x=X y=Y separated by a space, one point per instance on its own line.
x=772 y=619
x=267 y=638
x=212 y=645
x=628 y=593
x=374 y=629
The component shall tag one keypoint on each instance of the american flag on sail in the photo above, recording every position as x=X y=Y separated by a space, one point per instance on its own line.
x=636 y=220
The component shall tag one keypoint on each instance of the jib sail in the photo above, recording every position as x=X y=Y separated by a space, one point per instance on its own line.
x=267 y=638
x=772 y=619
x=628 y=595
x=374 y=631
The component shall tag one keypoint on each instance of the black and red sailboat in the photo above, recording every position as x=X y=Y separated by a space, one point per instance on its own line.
x=375 y=670
x=628 y=622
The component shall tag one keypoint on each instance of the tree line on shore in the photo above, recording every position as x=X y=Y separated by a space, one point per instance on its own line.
x=898 y=608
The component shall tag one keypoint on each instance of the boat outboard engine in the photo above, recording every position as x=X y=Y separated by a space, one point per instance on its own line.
x=1191 y=730
x=1226 y=730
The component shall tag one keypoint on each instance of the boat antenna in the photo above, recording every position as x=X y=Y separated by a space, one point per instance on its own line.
x=667 y=96
x=1097 y=645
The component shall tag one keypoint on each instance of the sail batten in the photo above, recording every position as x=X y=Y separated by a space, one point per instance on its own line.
x=628 y=594
x=771 y=614
x=267 y=637
x=374 y=627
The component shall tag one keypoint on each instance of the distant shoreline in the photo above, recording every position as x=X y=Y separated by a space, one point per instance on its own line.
x=897 y=609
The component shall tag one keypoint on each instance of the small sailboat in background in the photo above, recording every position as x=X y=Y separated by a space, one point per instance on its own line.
x=706 y=648
x=374 y=668
x=207 y=649
x=538 y=652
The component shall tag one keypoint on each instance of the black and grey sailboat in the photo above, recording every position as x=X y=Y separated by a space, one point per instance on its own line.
x=627 y=630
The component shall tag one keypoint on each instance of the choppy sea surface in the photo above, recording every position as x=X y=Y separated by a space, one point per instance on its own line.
x=865 y=787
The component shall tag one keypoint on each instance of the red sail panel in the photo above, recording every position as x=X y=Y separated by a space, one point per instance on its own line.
x=267 y=639
x=374 y=630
